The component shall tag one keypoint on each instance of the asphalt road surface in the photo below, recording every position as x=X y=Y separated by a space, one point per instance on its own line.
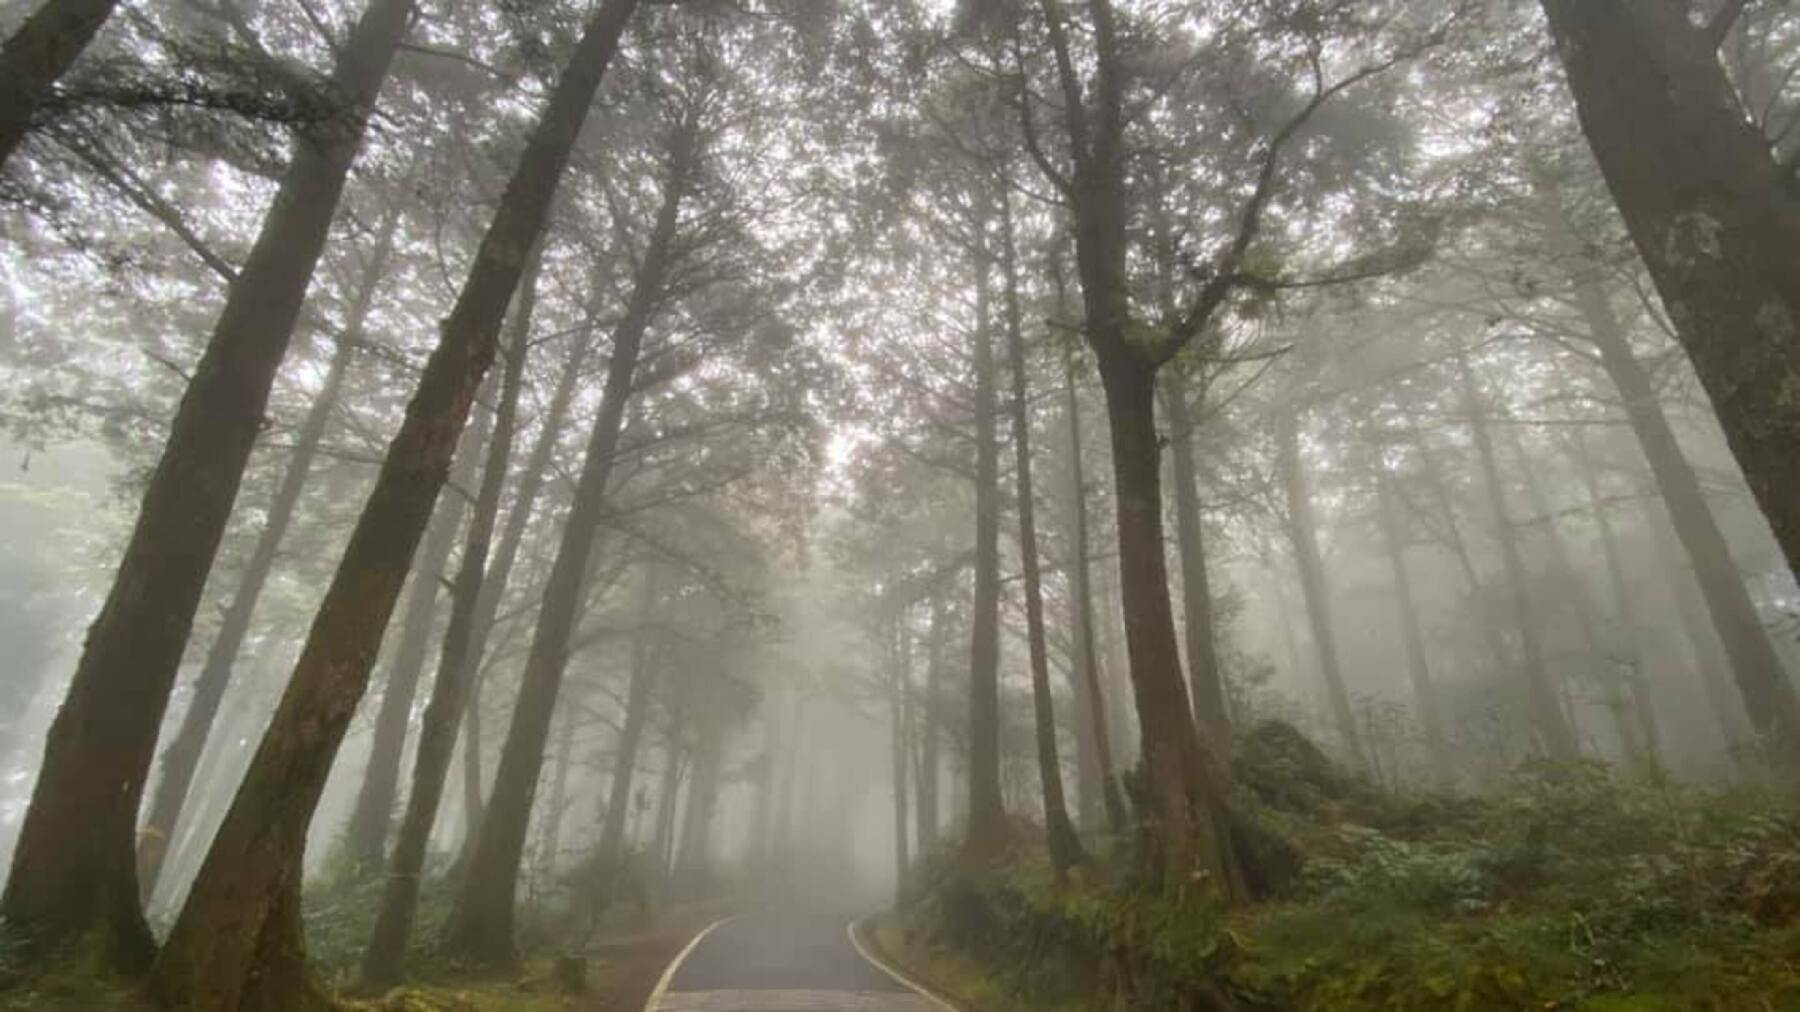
x=782 y=963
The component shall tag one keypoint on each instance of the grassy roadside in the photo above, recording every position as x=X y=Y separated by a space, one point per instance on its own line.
x=967 y=983
x=620 y=970
x=1566 y=888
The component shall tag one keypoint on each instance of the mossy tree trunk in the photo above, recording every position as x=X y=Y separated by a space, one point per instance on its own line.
x=74 y=869
x=1717 y=220
x=388 y=940
x=233 y=935
x=372 y=815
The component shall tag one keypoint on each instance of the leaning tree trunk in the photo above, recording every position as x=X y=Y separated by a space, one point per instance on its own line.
x=1206 y=679
x=987 y=810
x=1086 y=659
x=493 y=586
x=1707 y=654
x=232 y=946
x=1552 y=727
x=449 y=692
x=182 y=755
x=74 y=868
x=36 y=55
x=1717 y=221
x=372 y=816
x=1768 y=695
x=1064 y=845
x=481 y=921
x=1303 y=535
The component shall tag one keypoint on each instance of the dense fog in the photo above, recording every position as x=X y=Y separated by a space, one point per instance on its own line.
x=1136 y=503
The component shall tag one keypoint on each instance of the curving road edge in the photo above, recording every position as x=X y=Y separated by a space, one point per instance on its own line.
x=899 y=978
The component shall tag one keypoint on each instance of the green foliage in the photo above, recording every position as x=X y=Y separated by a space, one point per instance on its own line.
x=1567 y=888
x=340 y=910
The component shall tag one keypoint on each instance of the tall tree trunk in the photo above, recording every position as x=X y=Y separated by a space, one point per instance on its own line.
x=637 y=716
x=929 y=759
x=381 y=962
x=1064 y=845
x=1303 y=535
x=36 y=55
x=74 y=868
x=1585 y=617
x=787 y=782
x=692 y=861
x=1086 y=660
x=1643 y=711
x=1707 y=653
x=373 y=813
x=1418 y=667
x=1768 y=695
x=221 y=764
x=987 y=810
x=481 y=920
x=1717 y=221
x=550 y=843
x=1186 y=781
x=182 y=754
x=473 y=802
x=493 y=586
x=763 y=823
x=668 y=793
x=228 y=947
x=899 y=688
x=1552 y=727
x=1206 y=680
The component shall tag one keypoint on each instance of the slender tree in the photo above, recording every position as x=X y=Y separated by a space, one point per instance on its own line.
x=1065 y=846
x=1768 y=695
x=1554 y=734
x=644 y=661
x=449 y=692
x=237 y=942
x=1206 y=679
x=987 y=830
x=1418 y=665
x=74 y=869
x=372 y=815
x=481 y=919
x=1302 y=529
x=1716 y=219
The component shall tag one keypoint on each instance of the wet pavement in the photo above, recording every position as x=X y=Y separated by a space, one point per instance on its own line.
x=768 y=962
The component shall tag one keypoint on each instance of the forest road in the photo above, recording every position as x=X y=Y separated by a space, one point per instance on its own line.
x=781 y=962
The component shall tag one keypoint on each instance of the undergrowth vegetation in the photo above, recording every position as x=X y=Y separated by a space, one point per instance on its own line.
x=1566 y=887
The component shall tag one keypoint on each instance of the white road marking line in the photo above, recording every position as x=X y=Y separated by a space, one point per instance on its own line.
x=793 y=1001
x=937 y=1001
x=662 y=985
